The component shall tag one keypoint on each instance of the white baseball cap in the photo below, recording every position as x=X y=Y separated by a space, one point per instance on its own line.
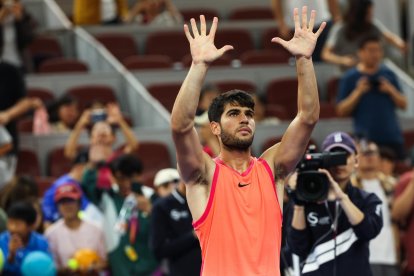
x=165 y=176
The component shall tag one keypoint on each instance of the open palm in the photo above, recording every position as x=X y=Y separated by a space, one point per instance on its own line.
x=202 y=45
x=304 y=40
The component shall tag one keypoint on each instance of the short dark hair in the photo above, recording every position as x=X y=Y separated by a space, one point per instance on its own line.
x=127 y=165
x=368 y=39
x=234 y=97
x=22 y=210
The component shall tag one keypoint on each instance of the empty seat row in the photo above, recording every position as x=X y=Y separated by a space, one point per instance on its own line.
x=239 y=13
x=174 y=45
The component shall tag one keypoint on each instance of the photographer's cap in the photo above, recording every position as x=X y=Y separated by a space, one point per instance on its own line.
x=166 y=176
x=339 y=140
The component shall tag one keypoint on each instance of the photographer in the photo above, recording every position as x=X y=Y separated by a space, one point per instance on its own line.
x=332 y=235
x=367 y=88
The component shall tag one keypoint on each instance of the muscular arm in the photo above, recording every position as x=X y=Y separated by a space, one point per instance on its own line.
x=191 y=159
x=288 y=152
x=403 y=203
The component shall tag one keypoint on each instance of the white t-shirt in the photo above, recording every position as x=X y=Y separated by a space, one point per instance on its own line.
x=320 y=6
x=382 y=248
x=64 y=242
x=108 y=10
x=10 y=53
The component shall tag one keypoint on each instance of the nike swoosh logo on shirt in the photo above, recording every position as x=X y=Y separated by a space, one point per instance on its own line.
x=243 y=185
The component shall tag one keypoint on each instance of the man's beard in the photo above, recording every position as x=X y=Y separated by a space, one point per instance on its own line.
x=233 y=143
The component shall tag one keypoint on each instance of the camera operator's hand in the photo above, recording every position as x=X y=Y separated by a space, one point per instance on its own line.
x=114 y=113
x=291 y=189
x=335 y=192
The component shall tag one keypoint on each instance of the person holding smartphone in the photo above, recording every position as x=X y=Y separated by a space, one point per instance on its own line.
x=16 y=32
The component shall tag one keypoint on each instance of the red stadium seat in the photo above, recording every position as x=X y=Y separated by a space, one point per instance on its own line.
x=57 y=163
x=239 y=38
x=44 y=94
x=228 y=85
x=283 y=92
x=273 y=56
x=408 y=139
x=44 y=183
x=251 y=13
x=267 y=37
x=120 y=45
x=43 y=48
x=27 y=163
x=332 y=89
x=147 y=62
x=25 y=125
x=88 y=94
x=154 y=156
x=171 y=43
x=63 y=65
x=327 y=111
x=165 y=93
x=196 y=12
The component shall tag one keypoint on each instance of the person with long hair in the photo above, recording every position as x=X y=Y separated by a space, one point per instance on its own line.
x=344 y=37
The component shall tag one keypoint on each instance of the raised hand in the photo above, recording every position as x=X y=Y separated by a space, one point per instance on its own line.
x=304 y=40
x=203 y=50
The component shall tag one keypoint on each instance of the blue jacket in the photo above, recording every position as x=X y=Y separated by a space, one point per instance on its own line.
x=36 y=243
x=318 y=243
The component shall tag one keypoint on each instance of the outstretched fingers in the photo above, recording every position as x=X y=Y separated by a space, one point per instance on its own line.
x=213 y=28
x=203 y=26
x=194 y=27
x=312 y=20
x=304 y=17
x=321 y=27
x=187 y=33
x=296 y=18
x=224 y=49
x=280 y=41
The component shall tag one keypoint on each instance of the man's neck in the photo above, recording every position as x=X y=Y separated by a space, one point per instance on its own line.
x=238 y=160
x=368 y=69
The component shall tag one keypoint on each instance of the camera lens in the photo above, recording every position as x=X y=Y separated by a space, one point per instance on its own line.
x=312 y=186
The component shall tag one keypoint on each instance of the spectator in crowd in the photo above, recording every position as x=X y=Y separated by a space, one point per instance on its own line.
x=20 y=239
x=343 y=41
x=172 y=234
x=102 y=135
x=208 y=93
x=20 y=188
x=70 y=234
x=13 y=104
x=384 y=248
x=16 y=32
x=102 y=139
x=95 y=12
x=367 y=88
x=388 y=163
x=63 y=114
x=165 y=181
x=403 y=214
x=328 y=11
x=3 y=220
x=207 y=139
x=126 y=227
x=341 y=226
x=49 y=207
x=155 y=12
x=260 y=112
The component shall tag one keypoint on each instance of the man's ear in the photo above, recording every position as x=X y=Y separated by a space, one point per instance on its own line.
x=215 y=128
x=356 y=161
